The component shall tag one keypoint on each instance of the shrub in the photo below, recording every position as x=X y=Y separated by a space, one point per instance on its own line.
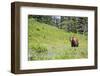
x=37 y=29
x=39 y=49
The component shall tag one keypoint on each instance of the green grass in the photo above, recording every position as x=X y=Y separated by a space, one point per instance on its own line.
x=46 y=42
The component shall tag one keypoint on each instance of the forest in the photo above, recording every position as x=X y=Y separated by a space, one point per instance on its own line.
x=49 y=37
x=67 y=23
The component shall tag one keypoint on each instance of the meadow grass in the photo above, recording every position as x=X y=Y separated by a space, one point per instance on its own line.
x=46 y=42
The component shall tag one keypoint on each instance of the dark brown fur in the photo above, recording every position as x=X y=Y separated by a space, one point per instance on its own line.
x=74 y=42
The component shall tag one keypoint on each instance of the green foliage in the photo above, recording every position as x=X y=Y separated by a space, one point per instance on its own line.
x=75 y=24
x=39 y=48
x=46 y=42
x=67 y=23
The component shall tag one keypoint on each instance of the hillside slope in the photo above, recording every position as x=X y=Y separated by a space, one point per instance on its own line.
x=47 y=42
